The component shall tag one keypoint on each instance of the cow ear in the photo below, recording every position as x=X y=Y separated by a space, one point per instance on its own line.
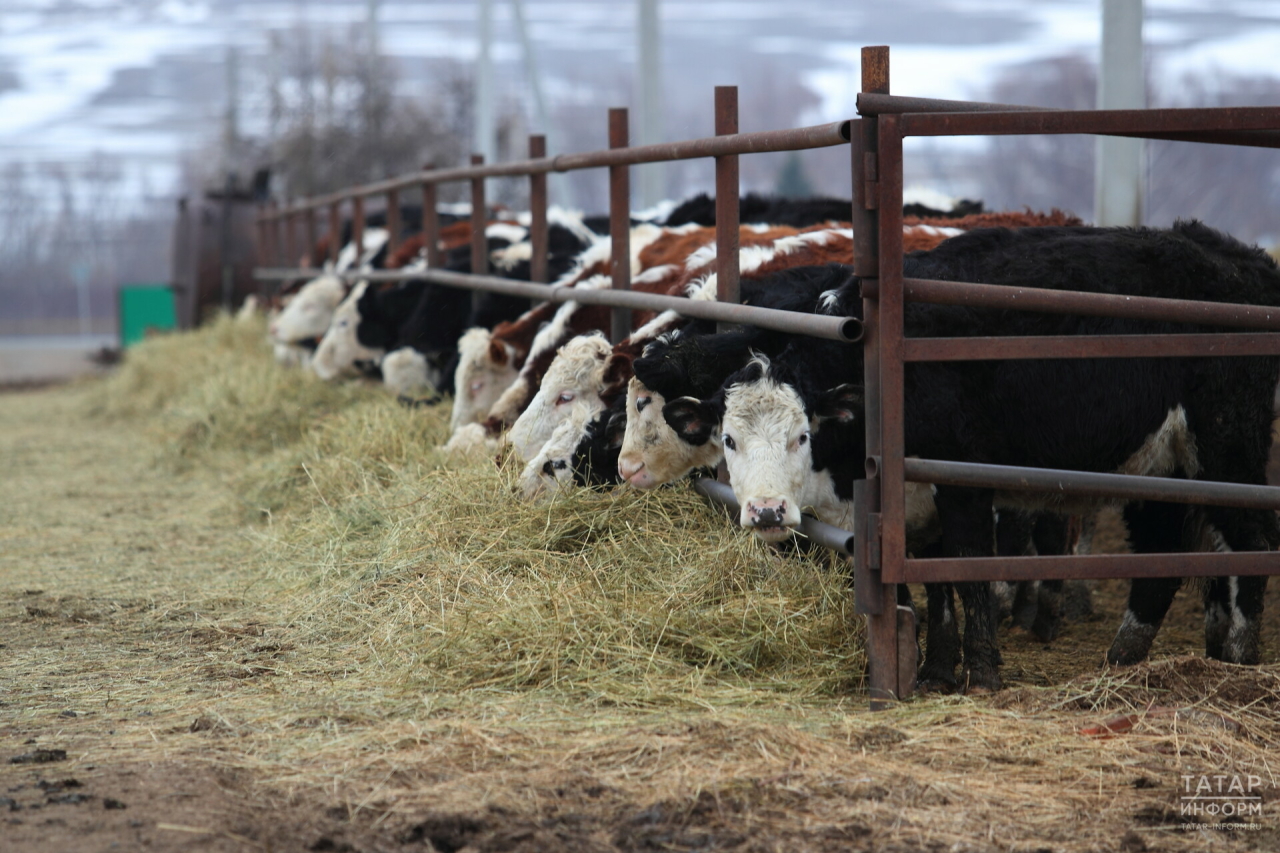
x=842 y=404
x=616 y=428
x=692 y=419
x=618 y=370
x=497 y=352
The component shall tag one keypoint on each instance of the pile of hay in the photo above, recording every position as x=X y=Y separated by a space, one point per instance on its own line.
x=419 y=571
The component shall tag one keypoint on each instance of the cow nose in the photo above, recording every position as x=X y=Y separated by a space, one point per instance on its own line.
x=628 y=469
x=768 y=513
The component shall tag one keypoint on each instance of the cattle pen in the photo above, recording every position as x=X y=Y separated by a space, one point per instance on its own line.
x=875 y=140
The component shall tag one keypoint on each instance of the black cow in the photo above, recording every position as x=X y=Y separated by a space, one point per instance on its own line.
x=1182 y=417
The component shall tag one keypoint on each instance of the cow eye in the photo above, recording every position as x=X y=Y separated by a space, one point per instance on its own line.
x=641 y=402
x=803 y=439
x=729 y=443
x=565 y=397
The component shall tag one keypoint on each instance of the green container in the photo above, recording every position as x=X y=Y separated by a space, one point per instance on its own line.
x=145 y=308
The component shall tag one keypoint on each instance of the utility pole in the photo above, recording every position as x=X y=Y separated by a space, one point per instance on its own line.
x=485 y=141
x=1118 y=178
x=652 y=177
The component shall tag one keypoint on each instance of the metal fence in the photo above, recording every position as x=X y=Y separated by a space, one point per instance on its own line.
x=875 y=140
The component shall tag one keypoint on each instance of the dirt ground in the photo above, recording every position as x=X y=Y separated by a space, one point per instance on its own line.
x=153 y=696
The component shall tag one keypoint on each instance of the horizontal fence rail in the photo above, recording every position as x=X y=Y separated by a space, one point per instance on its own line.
x=1059 y=482
x=1091 y=304
x=826 y=535
x=757 y=142
x=844 y=329
x=1082 y=567
x=1088 y=346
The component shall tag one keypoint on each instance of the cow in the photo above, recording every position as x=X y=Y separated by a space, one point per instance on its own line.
x=1180 y=417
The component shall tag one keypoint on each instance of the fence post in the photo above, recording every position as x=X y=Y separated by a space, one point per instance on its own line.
x=538 y=238
x=875 y=599
x=430 y=221
x=727 y=270
x=313 y=235
x=335 y=230
x=393 y=221
x=290 y=236
x=620 y=223
x=479 y=243
x=357 y=227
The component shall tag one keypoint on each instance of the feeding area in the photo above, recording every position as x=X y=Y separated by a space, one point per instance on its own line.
x=269 y=616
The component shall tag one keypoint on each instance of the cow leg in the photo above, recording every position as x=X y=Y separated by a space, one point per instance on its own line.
x=1023 y=613
x=968 y=530
x=1154 y=528
x=942 y=642
x=1051 y=535
x=1233 y=605
x=1049 y=607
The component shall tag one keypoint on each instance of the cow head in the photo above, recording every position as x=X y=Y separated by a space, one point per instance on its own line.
x=574 y=387
x=340 y=348
x=309 y=313
x=486 y=368
x=406 y=372
x=652 y=452
x=766 y=428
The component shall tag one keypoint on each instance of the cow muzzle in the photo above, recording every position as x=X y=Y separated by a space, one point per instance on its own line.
x=768 y=518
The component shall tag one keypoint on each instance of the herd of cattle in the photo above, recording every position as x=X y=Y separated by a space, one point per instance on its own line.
x=784 y=412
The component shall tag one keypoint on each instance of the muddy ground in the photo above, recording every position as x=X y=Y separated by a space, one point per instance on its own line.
x=151 y=698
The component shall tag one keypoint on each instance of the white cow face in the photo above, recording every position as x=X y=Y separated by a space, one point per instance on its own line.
x=767 y=438
x=340 y=348
x=485 y=369
x=652 y=453
x=572 y=389
x=550 y=471
x=309 y=313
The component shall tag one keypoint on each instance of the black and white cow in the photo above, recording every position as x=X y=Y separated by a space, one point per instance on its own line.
x=1180 y=417
x=417 y=324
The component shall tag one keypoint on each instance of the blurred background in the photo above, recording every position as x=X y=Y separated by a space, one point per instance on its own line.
x=129 y=128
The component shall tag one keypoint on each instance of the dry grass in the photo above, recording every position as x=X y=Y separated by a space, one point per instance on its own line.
x=377 y=629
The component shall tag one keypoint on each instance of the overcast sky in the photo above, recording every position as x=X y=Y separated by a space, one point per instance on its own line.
x=132 y=77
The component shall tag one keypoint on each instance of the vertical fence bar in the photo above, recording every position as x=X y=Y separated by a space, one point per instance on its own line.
x=335 y=230
x=313 y=234
x=264 y=236
x=431 y=221
x=278 y=252
x=393 y=221
x=479 y=245
x=538 y=237
x=727 y=270
x=620 y=222
x=268 y=233
x=290 y=237
x=882 y=623
x=357 y=226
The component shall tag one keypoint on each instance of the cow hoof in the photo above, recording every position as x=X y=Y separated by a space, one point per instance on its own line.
x=935 y=685
x=936 y=679
x=980 y=681
x=1046 y=630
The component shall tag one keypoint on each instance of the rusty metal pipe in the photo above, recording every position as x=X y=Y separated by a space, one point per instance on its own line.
x=1059 y=482
x=1140 y=123
x=1089 y=346
x=1092 y=304
x=727 y=270
x=844 y=329
x=619 y=225
x=757 y=142
x=538 y=233
x=827 y=535
x=1089 y=566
